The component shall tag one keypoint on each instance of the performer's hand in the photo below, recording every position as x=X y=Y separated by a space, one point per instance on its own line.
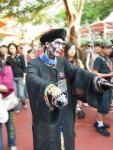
x=53 y=90
x=102 y=84
x=54 y=97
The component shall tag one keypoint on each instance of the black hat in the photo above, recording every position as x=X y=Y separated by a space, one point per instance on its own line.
x=52 y=35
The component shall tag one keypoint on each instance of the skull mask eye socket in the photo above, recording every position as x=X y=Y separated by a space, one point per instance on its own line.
x=57 y=44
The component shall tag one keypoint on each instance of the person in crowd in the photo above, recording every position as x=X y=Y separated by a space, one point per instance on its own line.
x=89 y=54
x=39 y=51
x=111 y=57
x=20 y=50
x=103 y=68
x=49 y=84
x=6 y=88
x=17 y=62
x=29 y=56
x=4 y=51
x=70 y=52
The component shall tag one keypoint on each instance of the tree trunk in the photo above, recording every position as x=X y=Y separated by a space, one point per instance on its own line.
x=74 y=17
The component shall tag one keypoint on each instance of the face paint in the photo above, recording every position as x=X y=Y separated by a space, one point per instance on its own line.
x=58 y=46
x=54 y=48
x=50 y=54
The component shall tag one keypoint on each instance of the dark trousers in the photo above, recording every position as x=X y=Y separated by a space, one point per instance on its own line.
x=104 y=102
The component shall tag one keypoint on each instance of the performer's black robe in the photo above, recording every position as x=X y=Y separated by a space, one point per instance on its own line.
x=84 y=80
x=47 y=124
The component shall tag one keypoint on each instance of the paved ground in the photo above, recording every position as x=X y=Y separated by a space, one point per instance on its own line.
x=86 y=136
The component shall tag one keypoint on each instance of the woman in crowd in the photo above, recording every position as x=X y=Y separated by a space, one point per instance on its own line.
x=30 y=55
x=39 y=51
x=4 y=51
x=70 y=52
x=17 y=62
x=6 y=88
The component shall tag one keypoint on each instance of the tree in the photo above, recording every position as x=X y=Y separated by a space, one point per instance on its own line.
x=94 y=9
x=75 y=10
x=26 y=11
x=34 y=11
x=74 y=17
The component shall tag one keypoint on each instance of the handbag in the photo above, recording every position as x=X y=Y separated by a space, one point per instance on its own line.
x=11 y=101
x=3 y=113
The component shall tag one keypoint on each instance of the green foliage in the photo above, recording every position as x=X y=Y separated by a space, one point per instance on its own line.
x=93 y=10
x=59 y=18
x=1 y=39
x=35 y=11
x=30 y=11
x=96 y=9
x=7 y=5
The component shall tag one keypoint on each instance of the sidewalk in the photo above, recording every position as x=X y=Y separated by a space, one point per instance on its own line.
x=86 y=136
x=23 y=131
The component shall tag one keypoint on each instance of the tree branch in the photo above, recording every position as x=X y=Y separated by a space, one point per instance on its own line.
x=69 y=8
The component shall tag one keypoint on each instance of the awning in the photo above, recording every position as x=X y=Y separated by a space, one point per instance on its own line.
x=6 y=34
x=98 y=26
x=2 y=24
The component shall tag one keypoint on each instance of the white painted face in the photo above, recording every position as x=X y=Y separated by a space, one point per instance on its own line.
x=57 y=46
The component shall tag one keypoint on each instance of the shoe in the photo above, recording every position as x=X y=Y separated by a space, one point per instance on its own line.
x=102 y=130
x=81 y=114
x=13 y=148
x=24 y=105
x=105 y=125
x=17 y=111
x=85 y=104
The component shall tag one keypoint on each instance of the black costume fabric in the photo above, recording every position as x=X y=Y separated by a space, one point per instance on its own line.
x=47 y=124
x=84 y=81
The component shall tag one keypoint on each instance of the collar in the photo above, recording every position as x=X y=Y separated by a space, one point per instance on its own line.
x=48 y=61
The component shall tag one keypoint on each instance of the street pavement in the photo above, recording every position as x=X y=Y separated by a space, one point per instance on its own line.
x=86 y=136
